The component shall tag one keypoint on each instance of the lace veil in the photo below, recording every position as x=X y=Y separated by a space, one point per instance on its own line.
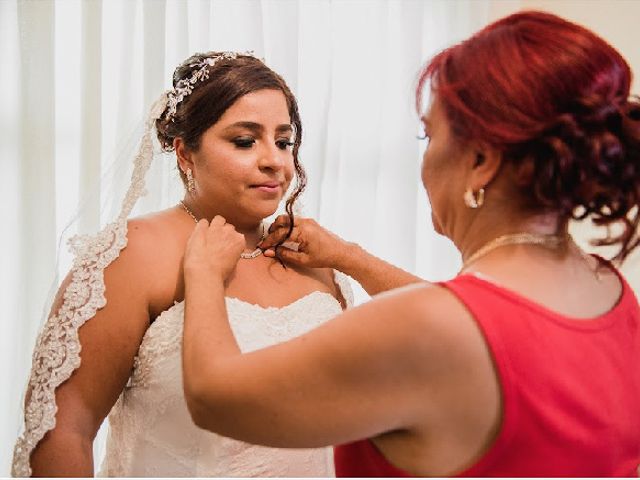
x=57 y=351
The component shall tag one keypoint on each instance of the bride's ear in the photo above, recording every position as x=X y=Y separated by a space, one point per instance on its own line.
x=183 y=153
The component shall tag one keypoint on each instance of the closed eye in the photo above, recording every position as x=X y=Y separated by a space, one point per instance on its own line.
x=244 y=142
x=284 y=144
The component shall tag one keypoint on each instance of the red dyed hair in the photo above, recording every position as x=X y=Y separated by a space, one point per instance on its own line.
x=554 y=98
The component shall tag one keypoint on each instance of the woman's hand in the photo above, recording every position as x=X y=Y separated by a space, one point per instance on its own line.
x=309 y=245
x=213 y=249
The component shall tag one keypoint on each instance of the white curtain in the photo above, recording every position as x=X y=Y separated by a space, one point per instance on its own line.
x=77 y=76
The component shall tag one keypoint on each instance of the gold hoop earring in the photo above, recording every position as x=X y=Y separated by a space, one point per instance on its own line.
x=191 y=183
x=473 y=199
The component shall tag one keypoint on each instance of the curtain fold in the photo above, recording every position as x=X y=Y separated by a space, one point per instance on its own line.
x=153 y=55
x=37 y=152
x=17 y=334
x=35 y=210
x=90 y=113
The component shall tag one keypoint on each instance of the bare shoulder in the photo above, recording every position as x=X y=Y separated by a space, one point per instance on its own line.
x=439 y=341
x=155 y=237
x=151 y=231
x=423 y=302
x=430 y=321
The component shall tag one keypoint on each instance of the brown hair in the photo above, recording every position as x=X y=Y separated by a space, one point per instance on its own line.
x=228 y=80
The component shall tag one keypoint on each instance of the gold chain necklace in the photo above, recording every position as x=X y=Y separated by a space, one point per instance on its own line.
x=246 y=255
x=549 y=241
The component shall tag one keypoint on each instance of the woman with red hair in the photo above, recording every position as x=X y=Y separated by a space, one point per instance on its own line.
x=526 y=363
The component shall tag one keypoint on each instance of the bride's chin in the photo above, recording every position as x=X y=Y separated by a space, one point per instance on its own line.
x=259 y=213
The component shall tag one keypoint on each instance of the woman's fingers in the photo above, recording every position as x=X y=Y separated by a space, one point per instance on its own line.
x=273 y=239
x=287 y=255
x=213 y=248
x=281 y=221
x=218 y=221
x=197 y=237
x=290 y=245
x=276 y=235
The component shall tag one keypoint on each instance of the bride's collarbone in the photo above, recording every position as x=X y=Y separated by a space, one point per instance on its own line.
x=259 y=281
x=269 y=283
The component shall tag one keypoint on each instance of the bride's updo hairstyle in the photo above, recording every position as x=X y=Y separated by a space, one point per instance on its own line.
x=226 y=81
x=554 y=98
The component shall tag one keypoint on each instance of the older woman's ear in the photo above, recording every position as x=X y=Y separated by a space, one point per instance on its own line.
x=485 y=165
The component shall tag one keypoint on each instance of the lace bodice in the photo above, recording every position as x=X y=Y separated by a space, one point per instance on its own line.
x=150 y=430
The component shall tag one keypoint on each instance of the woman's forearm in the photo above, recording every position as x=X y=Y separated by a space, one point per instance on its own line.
x=63 y=454
x=208 y=339
x=374 y=274
x=207 y=333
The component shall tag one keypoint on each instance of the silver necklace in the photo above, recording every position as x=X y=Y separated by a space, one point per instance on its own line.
x=246 y=255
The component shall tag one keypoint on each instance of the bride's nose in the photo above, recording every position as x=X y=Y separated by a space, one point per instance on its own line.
x=271 y=157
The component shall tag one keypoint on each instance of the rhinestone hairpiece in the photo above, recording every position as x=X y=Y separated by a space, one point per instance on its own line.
x=185 y=87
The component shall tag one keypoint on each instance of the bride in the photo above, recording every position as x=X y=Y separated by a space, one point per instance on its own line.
x=112 y=343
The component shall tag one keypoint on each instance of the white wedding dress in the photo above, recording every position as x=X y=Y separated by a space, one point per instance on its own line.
x=150 y=431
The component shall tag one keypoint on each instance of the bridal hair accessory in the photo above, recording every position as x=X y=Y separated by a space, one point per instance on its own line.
x=191 y=183
x=246 y=255
x=473 y=199
x=185 y=87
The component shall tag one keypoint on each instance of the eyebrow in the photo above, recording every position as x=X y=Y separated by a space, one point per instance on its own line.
x=258 y=128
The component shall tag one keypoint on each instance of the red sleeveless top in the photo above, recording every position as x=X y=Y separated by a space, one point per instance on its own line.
x=570 y=390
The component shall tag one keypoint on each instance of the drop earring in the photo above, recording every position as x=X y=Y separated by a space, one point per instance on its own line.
x=473 y=199
x=191 y=183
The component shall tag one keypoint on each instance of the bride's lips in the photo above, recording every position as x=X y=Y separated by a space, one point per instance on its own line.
x=268 y=187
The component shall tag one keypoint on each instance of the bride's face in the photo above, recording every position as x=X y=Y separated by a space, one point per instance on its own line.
x=244 y=164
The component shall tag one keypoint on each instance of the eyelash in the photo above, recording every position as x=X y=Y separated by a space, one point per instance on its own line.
x=246 y=143
x=424 y=136
x=243 y=142
x=283 y=144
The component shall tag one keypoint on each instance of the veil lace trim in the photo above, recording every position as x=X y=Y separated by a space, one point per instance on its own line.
x=57 y=352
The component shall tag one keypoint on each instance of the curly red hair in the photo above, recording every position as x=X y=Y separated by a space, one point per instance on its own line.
x=554 y=98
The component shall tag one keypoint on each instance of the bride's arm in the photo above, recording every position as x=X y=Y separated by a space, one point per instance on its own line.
x=109 y=342
x=317 y=247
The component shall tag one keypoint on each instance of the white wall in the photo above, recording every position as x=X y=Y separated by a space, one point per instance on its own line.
x=616 y=22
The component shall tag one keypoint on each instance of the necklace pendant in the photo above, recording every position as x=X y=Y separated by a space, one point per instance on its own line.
x=247 y=256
